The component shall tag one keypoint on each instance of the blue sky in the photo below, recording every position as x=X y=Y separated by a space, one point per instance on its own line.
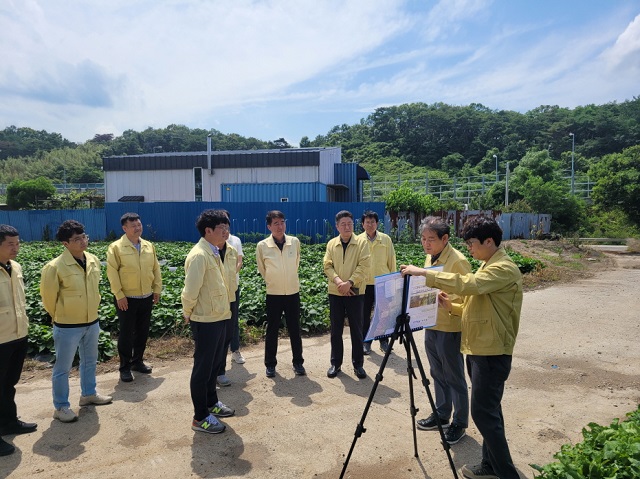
x=294 y=68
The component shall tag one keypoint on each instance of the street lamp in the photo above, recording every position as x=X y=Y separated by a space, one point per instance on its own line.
x=496 y=158
x=506 y=187
x=573 y=154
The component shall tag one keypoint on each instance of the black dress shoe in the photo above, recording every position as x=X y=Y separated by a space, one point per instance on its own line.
x=333 y=371
x=360 y=372
x=126 y=377
x=6 y=448
x=18 y=427
x=384 y=345
x=299 y=370
x=141 y=368
x=271 y=371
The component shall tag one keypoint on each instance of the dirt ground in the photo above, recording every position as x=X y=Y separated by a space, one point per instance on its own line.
x=576 y=361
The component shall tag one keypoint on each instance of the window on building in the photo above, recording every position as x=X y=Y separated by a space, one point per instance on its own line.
x=197 y=181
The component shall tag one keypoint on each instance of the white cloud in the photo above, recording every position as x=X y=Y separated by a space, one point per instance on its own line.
x=273 y=68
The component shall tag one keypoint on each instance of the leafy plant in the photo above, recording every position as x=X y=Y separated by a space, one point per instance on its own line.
x=606 y=452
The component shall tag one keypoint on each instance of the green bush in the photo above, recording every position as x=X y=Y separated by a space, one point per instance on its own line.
x=605 y=452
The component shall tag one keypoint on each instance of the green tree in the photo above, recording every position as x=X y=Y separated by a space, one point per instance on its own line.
x=405 y=199
x=617 y=179
x=27 y=193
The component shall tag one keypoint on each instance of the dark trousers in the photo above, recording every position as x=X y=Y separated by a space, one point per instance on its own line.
x=12 y=356
x=290 y=306
x=134 y=331
x=369 y=303
x=488 y=375
x=446 y=366
x=235 y=336
x=209 y=352
x=352 y=307
x=228 y=335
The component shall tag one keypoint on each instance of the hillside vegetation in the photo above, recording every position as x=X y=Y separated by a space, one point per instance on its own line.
x=411 y=140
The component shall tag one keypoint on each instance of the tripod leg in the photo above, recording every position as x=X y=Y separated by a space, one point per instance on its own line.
x=412 y=403
x=411 y=344
x=360 y=429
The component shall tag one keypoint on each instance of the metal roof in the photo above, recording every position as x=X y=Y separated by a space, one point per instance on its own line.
x=219 y=159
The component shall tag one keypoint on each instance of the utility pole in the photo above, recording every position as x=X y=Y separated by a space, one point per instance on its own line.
x=573 y=170
x=506 y=187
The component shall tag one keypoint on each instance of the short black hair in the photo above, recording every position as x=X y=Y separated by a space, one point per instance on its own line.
x=436 y=224
x=7 y=230
x=481 y=228
x=227 y=213
x=68 y=229
x=369 y=214
x=343 y=214
x=211 y=219
x=273 y=214
x=129 y=217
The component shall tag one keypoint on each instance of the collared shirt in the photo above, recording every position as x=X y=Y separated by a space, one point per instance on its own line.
x=353 y=264
x=133 y=273
x=14 y=323
x=452 y=261
x=383 y=255
x=70 y=293
x=491 y=308
x=279 y=268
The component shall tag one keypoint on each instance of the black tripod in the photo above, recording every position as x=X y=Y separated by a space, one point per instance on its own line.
x=403 y=331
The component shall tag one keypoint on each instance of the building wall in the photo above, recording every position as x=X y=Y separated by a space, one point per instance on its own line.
x=178 y=185
x=328 y=158
x=274 y=192
x=158 y=185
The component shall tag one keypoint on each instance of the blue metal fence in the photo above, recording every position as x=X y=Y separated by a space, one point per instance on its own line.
x=176 y=221
x=36 y=225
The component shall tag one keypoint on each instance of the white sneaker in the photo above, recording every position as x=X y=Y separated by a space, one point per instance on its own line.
x=237 y=357
x=64 y=414
x=97 y=399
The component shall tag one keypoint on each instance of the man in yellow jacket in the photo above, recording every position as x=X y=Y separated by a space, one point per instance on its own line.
x=490 y=320
x=69 y=291
x=136 y=283
x=442 y=342
x=278 y=259
x=14 y=327
x=383 y=261
x=206 y=306
x=346 y=264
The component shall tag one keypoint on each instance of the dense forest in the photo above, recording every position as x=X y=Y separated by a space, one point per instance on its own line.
x=412 y=139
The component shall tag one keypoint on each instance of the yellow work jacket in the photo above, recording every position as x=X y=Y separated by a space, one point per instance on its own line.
x=205 y=296
x=69 y=293
x=131 y=273
x=452 y=261
x=279 y=268
x=383 y=255
x=230 y=264
x=14 y=323
x=491 y=307
x=350 y=265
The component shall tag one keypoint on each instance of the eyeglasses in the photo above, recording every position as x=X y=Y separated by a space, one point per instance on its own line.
x=279 y=223
x=79 y=238
x=345 y=224
x=222 y=227
x=471 y=242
